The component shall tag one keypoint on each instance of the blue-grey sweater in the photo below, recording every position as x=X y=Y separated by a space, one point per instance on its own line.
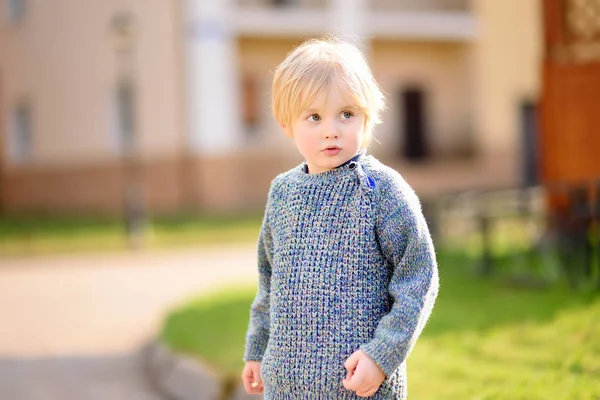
x=346 y=262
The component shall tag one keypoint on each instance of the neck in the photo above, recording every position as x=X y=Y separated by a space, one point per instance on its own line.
x=361 y=153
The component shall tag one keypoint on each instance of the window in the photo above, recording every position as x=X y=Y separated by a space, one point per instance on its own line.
x=15 y=9
x=529 y=133
x=252 y=103
x=20 y=135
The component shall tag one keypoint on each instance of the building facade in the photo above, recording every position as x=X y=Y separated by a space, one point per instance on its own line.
x=171 y=98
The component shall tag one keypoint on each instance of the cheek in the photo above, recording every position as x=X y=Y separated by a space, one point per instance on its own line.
x=355 y=130
x=307 y=142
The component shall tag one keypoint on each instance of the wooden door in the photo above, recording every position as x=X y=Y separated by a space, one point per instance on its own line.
x=3 y=140
x=569 y=145
x=570 y=106
x=413 y=103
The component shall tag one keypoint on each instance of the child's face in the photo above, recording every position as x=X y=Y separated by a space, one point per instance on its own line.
x=330 y=131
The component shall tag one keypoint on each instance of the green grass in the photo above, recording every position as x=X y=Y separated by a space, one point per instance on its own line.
x=212 y=328
x=485 y=340
x=56 y=235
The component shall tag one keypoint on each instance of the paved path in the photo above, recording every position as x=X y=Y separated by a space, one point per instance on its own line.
x=76 y=322
x=74 y=378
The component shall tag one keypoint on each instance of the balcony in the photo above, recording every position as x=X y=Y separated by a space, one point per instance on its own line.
x=375 y=5
x=445 y=20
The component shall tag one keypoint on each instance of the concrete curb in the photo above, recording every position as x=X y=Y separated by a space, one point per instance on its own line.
x=178 y=377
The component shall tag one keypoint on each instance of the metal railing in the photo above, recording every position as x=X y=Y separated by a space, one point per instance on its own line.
x=557 y=227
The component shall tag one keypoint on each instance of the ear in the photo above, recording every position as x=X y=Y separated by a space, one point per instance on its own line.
x=286 y=130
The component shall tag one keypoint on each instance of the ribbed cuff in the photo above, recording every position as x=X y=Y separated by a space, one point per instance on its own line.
x=254 y=352
x=386 y=357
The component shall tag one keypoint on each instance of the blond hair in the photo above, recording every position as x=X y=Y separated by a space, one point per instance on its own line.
x=314 y=66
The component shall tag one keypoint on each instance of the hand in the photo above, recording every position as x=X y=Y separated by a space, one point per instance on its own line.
x=251 y=378
x=364 y=376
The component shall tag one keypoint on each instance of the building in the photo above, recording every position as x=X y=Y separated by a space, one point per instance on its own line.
x=174 y=95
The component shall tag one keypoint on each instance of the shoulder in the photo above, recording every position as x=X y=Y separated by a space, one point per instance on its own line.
x=390 y=186
x=395 y=199
x=282 y=184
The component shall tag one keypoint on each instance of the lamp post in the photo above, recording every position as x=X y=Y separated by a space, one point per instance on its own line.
x=124 y=31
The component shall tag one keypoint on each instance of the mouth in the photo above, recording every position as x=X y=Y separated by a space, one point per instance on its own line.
x=331 y=150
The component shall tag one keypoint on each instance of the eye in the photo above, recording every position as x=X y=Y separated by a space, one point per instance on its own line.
x=314 y=117
x=347 y=114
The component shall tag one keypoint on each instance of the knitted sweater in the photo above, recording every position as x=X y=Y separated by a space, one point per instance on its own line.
x=346 y=262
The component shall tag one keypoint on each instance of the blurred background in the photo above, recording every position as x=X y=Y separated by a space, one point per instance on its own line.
x=137 y=147
x=184 y=87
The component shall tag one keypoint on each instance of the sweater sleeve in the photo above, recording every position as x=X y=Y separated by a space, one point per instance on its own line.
x=407 y=247
x=257 y=335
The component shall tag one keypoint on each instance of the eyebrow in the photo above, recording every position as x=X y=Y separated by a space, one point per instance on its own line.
x=346 y=107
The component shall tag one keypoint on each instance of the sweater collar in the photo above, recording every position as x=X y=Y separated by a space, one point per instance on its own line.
x=356 y=158
x=350 y=169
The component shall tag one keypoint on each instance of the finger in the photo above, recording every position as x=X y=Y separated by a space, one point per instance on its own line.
x=246 y=372
x=257 y=377
x=355 y=382
x=349 y=375
x=368 y=392
x=255 y=388
x=248 y=379
x=351 y=362
x=257 y=382
x=247 y=386
x=365 y=394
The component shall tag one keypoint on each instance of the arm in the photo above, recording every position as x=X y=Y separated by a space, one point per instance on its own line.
x=257 y=335
x=258 y=330
x=407 y=246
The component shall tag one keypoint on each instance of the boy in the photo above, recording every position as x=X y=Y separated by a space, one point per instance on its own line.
x=348 y=275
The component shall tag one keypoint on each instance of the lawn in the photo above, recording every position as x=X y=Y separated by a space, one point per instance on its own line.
x=486 y=339
x=20 y=236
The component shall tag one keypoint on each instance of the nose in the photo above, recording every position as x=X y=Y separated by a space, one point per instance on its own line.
x=331 y=130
